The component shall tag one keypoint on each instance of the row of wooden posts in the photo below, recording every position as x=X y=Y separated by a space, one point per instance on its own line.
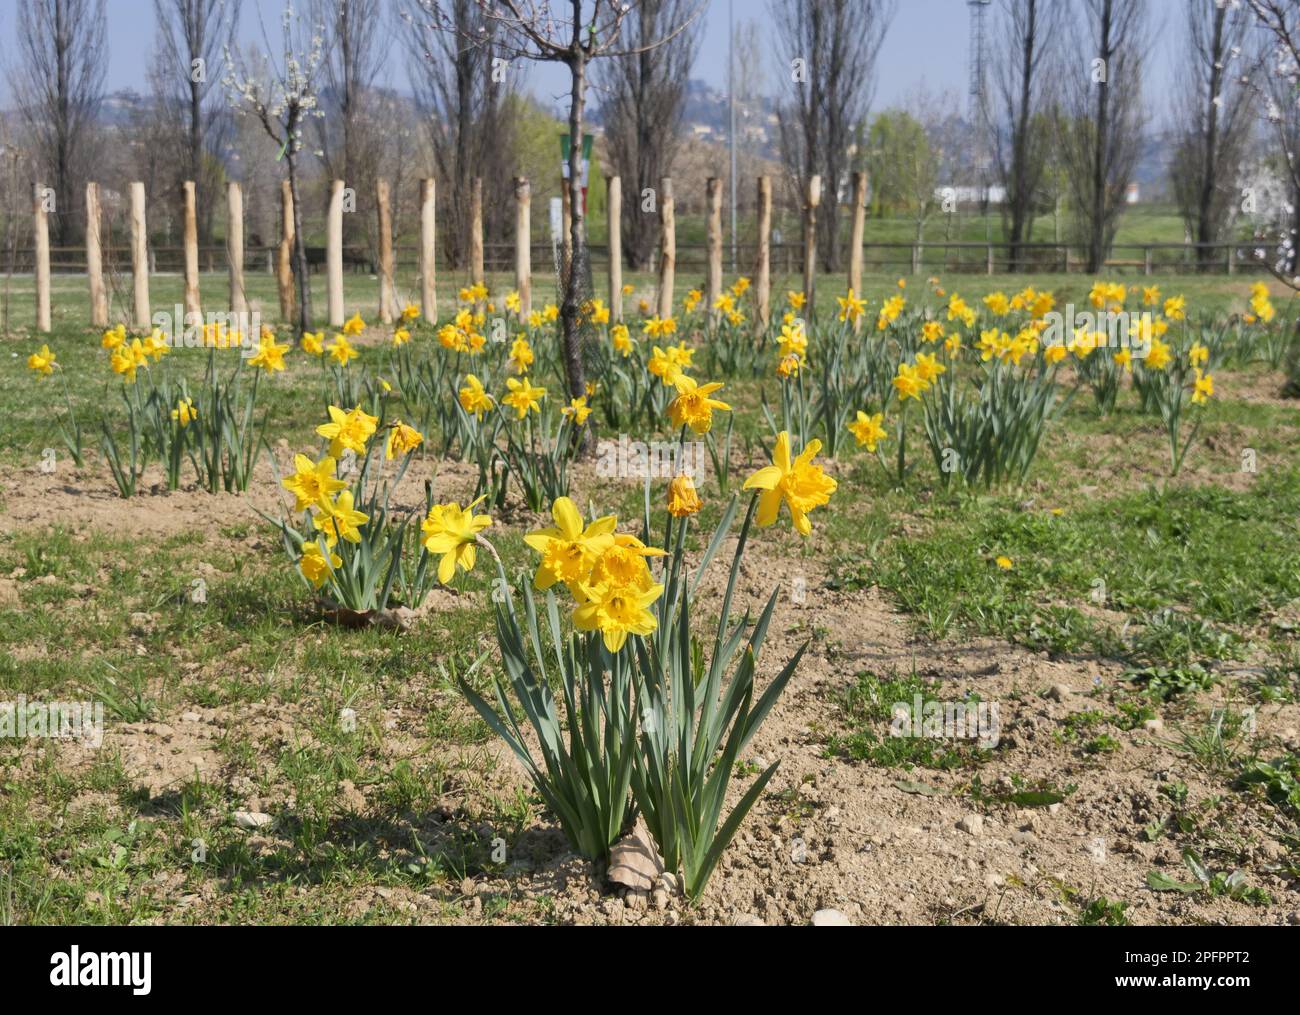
x=387 y=307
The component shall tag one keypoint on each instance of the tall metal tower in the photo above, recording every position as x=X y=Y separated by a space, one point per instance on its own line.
x=977 y=58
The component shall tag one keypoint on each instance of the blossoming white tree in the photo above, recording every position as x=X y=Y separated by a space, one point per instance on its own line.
x=281 y=96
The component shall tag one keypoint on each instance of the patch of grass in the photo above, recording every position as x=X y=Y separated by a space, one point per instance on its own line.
x=871 y=710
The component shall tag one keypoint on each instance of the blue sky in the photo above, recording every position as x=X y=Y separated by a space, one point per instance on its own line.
x=926 y=46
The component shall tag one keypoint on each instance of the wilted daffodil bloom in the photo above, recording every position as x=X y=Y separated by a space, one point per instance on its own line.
x=452 y=532
x=683 y=499
x=801 y=484
x=402 y=439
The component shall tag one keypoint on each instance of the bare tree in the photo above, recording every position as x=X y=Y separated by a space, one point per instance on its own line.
x=573 y=33
x=830 y=47
x=461 y=95
x=59 y=84
x=1214 y=110
x=1101 y=139
x=1279 y=87
x=192 y=35
x=281 y=97
x=646 y=94
x=1025 y=32
x=349 y=133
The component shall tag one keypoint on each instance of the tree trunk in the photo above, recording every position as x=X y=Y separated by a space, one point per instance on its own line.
x=569 y=309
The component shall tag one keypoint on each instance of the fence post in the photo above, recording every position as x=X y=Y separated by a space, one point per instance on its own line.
x=856 y=237
x=428 y=250
x=95 y=259
x=476 y=231
x=334 y=255
x=713 y=191
x=988 y=260
x=1232 y=259
x=812 y=199
x=41 y=226
x=139 y=256
x=235 y=247
x=668 y=247
x=763 y=284
x=192 y=306
x=1146 y=260
x=524 y=245
x=614 y=219
x=284 y=259
x=387 y=296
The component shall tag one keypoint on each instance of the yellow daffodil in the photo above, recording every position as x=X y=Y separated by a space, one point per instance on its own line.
x=341 y=350
x=315 y=566
x=340 y=520
x=42 y=362
x=1203 y=388
x=313 y=343
x=452 y=532
x=621 y=338
x=801 y=484
x=473 y=398
x=523 y=396
x=313 y=483
x=616 y=613
x=269 y=355
x=348 y=430
x=869 y=430
x=521 y=355
x=184 y=413
x=908 y=383
x=693 y=407
x=354 y=326
x=577 y=410
x=569 y=550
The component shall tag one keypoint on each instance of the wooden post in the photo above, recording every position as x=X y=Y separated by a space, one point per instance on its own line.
x=476 y=231
x=284 y=256
x=667 y=248
x=95 y=259
x=387 y=291
x=856 y=237
x=812 y=199
x=41 y=227
x=1232 y=259
x=235 y=247
x=428 y=250
x=191 y=254
x=139 y=256
x=988 y=260
x=763 y=271
x=334 y=255
x=614 y=219
x=713 y=190
x=523 y=245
